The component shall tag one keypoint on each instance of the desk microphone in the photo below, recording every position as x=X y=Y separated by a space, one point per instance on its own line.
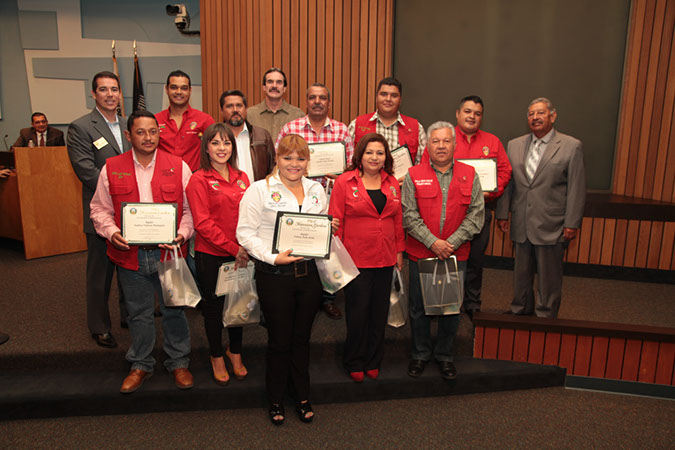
x=5 y=139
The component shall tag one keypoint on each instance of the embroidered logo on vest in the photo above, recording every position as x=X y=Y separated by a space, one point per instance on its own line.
x=393 y=191
x=486 y=150
x=193 y=125
x=121 y=175
x=241 y=184
x=276 y=196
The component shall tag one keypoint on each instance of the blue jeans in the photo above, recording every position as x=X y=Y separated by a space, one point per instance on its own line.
x=420 y=323
x=140 y=287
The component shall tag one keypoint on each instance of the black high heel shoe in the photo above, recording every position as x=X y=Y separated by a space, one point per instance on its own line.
x=276 y=410
x=304 y=408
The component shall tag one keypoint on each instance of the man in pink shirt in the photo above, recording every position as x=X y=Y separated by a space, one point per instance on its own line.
x=148 y=176
x=181 y=126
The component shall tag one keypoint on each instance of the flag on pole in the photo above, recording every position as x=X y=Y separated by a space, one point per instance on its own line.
x=120 y=107
x=139 y=97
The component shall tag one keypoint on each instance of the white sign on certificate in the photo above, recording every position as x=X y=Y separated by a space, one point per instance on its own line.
x=486 y=169
x=309 y=235
x=402 y=161
x=326 y=158
x=149 y=223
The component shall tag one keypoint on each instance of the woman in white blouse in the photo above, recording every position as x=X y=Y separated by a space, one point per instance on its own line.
x=289 y=287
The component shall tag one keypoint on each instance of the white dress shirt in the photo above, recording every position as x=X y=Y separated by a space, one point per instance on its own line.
x=244 y=162
x=258 y=213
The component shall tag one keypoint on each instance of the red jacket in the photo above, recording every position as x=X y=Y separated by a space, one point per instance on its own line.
x=485 y=145
x=408 y=134
x=214 y=203
x=430 y=202
x=372 y=239
x=184 y=142
x=167 y=187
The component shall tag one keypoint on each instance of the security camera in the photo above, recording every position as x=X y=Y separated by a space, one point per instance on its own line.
x=182 y=19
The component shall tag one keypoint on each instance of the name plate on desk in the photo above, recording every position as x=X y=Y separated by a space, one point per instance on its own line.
x=326 y=158
x=486 y=169
x=309 y=235
x=402 y=161
x=149 y=223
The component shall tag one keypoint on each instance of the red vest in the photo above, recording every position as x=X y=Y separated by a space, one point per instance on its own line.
x=167 y=187
x=408 y=134
x=429 y=201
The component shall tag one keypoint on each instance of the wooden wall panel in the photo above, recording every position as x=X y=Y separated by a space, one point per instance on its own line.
x=345 y=44
x=644 y=156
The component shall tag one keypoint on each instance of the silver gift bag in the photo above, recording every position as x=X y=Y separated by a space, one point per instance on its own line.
x=442 y=286
x=398 y=301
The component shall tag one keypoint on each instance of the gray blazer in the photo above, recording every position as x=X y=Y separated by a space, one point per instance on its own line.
x=87 y=159
x=555 y=197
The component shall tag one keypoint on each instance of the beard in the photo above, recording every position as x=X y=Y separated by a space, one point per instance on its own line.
x=236 y=121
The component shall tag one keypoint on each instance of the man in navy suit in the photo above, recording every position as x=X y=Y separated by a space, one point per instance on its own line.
x=546 y=198
x=92 y=139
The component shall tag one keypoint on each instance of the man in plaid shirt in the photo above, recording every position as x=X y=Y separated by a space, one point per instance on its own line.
x=316 y=126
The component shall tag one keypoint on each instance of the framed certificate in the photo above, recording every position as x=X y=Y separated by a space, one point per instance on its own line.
x=486 y=169
x=327 y=158
x=402 y=161
x=149 y=223
x=309 y=235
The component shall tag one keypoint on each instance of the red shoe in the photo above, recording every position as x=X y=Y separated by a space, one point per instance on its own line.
x=356 y=376
x=372 y=374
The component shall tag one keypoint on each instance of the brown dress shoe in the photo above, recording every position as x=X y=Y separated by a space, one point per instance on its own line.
x=331 y=311
x=134 y=380
x=183 y=378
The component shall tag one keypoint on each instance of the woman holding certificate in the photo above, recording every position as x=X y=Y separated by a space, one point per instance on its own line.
x=288 y=286
x=214 y=194
x=367 y=203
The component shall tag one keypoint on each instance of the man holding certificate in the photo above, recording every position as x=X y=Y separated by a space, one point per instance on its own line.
x=485 y=152
x=442 y=211
x=405 y=135
x=143 y=193
x=331 y=147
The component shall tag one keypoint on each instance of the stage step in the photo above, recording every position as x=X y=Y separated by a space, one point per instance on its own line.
x=61 y=393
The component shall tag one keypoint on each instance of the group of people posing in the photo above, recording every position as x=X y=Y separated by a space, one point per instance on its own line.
x=229 y=180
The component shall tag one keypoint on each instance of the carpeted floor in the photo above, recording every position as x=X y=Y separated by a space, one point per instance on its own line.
x=42 y=308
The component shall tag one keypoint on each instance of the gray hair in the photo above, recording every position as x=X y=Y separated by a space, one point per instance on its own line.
x=439 y=126
x=544 y=100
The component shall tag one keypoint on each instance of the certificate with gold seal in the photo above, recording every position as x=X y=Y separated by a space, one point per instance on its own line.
x=326 y=158
x=149 y=223
x=486 y=169
x=309 y=235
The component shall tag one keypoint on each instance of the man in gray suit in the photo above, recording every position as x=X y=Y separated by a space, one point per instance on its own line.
x=546 y=198
x=92 y=139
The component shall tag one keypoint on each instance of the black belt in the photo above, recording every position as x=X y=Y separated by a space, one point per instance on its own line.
x=296 y=269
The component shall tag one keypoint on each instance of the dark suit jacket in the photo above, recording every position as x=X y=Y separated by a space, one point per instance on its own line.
x=262 y=151
x=553 y=199
x=87 y=158
x=54 y=137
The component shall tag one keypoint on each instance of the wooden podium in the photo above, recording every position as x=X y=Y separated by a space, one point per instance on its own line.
x=49 y=203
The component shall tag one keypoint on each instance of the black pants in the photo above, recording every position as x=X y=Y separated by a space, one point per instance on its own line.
x=289 y=304
x=212 y=306
x=366 y=312
x=100 y=272
x=474 y=266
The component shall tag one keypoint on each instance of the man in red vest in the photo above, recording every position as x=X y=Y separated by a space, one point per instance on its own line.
x=396 y=128
x=148 y=176
x=442 y=210
x=474 y=143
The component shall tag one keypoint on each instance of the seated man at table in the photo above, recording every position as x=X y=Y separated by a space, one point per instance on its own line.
x=145 y=175
x=40 y=134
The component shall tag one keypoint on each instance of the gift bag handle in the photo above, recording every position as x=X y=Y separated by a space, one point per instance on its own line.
x=397 y=274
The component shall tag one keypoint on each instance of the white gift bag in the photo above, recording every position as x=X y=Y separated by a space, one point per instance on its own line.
x=398 y=301
x=178 y=286
x=337 y=271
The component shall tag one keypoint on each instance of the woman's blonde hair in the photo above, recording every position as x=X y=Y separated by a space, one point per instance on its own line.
x=289 y=144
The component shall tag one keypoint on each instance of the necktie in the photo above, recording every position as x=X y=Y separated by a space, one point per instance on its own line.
x=533 y=160
x=42 y=140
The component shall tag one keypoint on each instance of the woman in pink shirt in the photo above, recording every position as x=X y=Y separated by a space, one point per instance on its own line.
x=214 y=194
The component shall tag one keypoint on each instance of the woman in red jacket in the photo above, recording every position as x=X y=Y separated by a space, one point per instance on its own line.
x=367 y=202
x=214 y=193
